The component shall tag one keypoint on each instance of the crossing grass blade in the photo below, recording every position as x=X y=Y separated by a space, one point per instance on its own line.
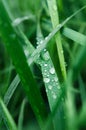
x=50 y=78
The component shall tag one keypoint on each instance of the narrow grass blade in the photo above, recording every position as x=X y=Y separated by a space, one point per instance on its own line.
x=75 y=36
x=55 y=21
x=9 y=122
x=11 y=90
x=21 y=115
x=15 y=50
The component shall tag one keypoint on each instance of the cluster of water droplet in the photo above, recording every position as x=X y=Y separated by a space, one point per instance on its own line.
x=49 y=76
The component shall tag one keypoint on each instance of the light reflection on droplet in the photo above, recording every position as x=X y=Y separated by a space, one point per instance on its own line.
x=54 y=96
x=45 y=56
x=50 y=87
x=56 y=79
x=46 y=80
x=45 y=65
x=58 y=87
x=52 y=70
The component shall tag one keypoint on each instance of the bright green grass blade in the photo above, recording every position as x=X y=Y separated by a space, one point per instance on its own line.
x=55 y=21
x=50 y=78
x=21 y=115
x=9 y=122
x=75 y=36
x=49 y=75
x=15 y=50
x=51 y=82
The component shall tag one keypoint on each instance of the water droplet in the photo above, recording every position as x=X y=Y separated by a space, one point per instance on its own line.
x=46 y=75
x=46 y=38
x=55 y=79
x=54 y=96
x=46 y=80
x=52 y=80
x=37 y=46
x=52 y=70
x=50 y=87
x=26 y=52
x=45 y=65
x=45 y=70
x=45 y=50
x=55 y=7
x=50 y=34
x=46 y=90
x=45 y=56
x=41 y=42
x=37 y=43
x=58 y=87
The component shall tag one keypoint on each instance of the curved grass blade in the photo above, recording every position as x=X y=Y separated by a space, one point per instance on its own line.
x=11 y=90
x=8 y=120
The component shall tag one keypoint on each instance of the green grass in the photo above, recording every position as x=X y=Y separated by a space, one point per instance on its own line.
x=42 y=65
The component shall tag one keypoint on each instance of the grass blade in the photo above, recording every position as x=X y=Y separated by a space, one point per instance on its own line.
x=55 y=21
x=75 y=36
x=13 y=45
x=21 y=115
x=11 y=90
x=9 y=122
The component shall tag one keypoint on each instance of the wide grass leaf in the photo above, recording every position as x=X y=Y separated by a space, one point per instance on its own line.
x=12 y=42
